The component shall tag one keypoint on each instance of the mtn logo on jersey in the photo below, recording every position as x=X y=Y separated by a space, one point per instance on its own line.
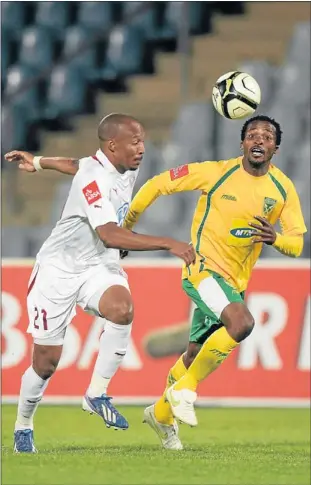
x=178 y=172
x=242 y=232
x=92 y=193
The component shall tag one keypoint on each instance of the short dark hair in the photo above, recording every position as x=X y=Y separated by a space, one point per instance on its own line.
x=109 y=125
x=263 y=118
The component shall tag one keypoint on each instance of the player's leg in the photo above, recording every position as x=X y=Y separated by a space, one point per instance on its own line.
x=113 y=302
x=201 y=328
x=33 y=384
x=47 y=323
x=159 y=416
x=217 y=299
x=116 y=306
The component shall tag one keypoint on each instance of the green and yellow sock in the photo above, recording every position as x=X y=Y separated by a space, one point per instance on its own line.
x=162 y=409
x=214 y=351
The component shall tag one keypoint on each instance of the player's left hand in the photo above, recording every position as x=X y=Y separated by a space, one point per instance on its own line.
x=24 y=160
x=265 y=233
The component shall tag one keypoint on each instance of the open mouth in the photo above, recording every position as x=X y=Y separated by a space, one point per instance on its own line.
x=257 y=152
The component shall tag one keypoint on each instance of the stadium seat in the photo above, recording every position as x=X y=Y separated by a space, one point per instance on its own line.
x=66 y=93
x=263 y=73
x=59 y=199
x=5 y=54
x=36 y=49
x=307 y=123
x=198 y=14
x=153 y=219
x=28 y=98
x=228 y=136
x=300 y=168
x=13 y=17
x=125 y=53
x=150 y=166
x=95 y=16
x=192 y=133
x=53 y=16
x=290 y=119
x=229 y=8
x=14 y=241
x=35 y=238
x=295 y=73
x=293 y=80
x=148 y=20
x=297 y=47
x=13 y=128
x=75 y=38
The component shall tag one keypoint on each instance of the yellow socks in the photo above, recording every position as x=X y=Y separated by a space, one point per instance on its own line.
x=214 y=351
x=162 y=409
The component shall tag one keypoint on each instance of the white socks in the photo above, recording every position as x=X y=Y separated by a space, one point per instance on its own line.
x=112 y=349
x=31 y=392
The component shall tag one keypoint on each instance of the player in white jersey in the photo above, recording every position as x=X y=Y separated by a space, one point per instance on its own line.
x=79 y=264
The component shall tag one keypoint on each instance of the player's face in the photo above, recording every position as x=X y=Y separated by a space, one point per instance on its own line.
x=259 y=144
x=130 y=145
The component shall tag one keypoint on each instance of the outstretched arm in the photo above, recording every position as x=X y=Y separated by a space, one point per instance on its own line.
x=27 y=162
x=180 y=179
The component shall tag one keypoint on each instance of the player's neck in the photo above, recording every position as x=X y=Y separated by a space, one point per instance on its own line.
x=255 y=170
x=119 y=167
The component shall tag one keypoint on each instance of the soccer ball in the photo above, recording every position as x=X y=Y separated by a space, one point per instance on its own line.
x=236 y=95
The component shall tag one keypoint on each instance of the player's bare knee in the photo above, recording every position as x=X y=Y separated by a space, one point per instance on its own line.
x=120 y=312
x=248 y=324
x=45 y=360
x=238 y=321
x=116 y=305
x=243 y=327
x=46 y=370
x=124 y=313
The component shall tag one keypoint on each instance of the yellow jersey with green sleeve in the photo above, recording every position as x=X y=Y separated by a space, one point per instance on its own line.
x=230 y=198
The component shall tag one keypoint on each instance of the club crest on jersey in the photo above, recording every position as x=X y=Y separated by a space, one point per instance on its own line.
x=268 y=205
x=92 y=193
x=122 y=213
x=178 y=172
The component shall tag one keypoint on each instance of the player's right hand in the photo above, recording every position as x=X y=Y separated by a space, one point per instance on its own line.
x=184 y=251
x=24 y=160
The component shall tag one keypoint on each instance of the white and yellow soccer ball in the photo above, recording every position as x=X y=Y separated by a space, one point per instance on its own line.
x=236 y=95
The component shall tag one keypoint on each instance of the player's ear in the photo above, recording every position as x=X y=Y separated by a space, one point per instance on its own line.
x=276 y=150
x=111 y=145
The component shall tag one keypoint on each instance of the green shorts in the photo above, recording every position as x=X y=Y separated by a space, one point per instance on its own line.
x=212 y=295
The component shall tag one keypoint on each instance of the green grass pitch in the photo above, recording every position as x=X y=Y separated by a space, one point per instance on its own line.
x=230 y=446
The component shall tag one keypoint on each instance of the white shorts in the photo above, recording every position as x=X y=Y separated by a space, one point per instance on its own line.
x=53 y=295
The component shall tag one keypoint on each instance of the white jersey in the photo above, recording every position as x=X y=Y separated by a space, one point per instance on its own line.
x=99 y=194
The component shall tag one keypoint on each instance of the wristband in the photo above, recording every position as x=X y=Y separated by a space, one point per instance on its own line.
x=36 y=163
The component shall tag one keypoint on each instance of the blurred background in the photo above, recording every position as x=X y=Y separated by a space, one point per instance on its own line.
x=65 y=65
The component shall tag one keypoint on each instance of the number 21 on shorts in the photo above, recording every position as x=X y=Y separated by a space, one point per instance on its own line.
x=40 y=319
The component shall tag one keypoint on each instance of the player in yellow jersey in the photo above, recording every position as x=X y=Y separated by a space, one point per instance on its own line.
x=241 y=200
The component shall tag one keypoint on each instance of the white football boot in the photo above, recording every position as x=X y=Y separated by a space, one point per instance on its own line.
x=168 y=434
x=182 y=405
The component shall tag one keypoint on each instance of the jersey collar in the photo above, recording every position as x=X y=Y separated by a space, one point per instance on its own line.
x=104 y=161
